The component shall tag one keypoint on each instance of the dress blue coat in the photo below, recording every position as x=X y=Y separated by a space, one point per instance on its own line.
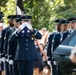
x=25 y=44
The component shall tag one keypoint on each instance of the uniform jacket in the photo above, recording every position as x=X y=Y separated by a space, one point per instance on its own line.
x=3 y=39
x=54 y=40
x=6 y=45
x=66 y=34
x=25 y=44
x=50 y=45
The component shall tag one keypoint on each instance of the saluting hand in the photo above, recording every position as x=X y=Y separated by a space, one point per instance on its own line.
x=25 y=25
x=29 y=26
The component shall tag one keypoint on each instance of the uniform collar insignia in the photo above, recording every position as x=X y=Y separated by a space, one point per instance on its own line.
x=28 y=31
x=23 y=31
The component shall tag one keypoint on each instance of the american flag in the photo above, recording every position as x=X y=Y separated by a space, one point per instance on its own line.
x=20 y=7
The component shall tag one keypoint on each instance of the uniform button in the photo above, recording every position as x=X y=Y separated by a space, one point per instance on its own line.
x=26 y=44
x=26 y=39
x=26 y=48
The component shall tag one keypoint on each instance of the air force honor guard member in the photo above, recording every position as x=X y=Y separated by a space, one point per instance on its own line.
x=10 y=20
x=72 y=24
x=13 y=48
x=3 y=38
x=52 y=45
x=26 y=52
x=66 y=32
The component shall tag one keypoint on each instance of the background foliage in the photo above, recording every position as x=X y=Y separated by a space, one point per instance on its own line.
x=44 y=12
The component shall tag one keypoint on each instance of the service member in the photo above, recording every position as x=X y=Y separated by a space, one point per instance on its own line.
x=3 y=38
x=8 y=46
x=1 y=28
x=26 y=52
x=61 y=35
x=72 y=24
x=52 y=46
x=66 y=32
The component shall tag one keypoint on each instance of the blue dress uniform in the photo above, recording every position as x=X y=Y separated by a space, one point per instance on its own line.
x=2 y=49
x=8 y=33
x=12 y=47
x=26 y=52
x=13 y=69
x=50 y=50
x=2 y=40
x=66 y=34
x=59 y=38
x=2 y=44
x=5 y=52
x=54 y=41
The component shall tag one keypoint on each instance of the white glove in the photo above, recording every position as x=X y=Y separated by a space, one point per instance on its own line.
x=28 y=26
x=24 y=25
x=11 y=62
x=48 y=62
x=3 y=59
x=21 y=26
x=19 y=29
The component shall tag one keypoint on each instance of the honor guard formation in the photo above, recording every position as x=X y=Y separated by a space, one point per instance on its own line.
x=25 y=50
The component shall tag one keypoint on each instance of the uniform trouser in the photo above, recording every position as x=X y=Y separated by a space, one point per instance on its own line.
x=13 y=69
x=16 y=70
x=6 y=68
x=25 y=67
x=54 y=69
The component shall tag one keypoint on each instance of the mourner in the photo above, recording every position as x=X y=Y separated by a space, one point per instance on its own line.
x=43 y=42
x=39 y=63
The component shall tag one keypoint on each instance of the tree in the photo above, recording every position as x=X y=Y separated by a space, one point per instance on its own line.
x=44 y=12
x=2 y=3
x=8 y=8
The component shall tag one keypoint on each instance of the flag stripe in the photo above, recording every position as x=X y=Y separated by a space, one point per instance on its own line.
x=20 y=7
